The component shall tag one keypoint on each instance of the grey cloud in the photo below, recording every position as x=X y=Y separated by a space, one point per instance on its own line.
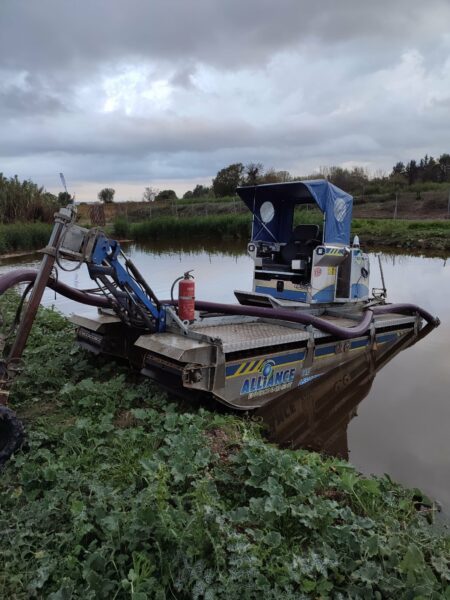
x=71 y=35
x=327 y=106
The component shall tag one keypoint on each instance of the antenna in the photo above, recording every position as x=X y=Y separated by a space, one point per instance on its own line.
x=63 y=181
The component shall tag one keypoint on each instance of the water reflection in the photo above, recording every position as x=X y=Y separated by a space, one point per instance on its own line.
x=316 y=416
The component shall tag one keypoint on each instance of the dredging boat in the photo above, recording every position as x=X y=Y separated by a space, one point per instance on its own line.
x=310 y=306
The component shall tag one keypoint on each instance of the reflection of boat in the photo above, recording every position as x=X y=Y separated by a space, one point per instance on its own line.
x=316 y=414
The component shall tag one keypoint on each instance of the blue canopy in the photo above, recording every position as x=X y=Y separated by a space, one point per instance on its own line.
x=332 y=201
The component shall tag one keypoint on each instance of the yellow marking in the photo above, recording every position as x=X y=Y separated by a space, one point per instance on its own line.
x=251 y=364
x=241 y=368
x=282 y=366
x=259 y=363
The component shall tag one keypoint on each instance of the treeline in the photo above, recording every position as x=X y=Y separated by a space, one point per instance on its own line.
x=25 y=201
x=357 y=180
x=426 y=169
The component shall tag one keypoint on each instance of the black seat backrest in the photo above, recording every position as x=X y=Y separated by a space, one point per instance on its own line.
x=303 y=240
x=303 y=233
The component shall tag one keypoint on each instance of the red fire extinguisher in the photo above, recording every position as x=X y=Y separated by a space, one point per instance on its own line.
x=186 y=297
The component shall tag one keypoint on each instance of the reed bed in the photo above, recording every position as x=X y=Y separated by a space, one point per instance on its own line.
x=423 y=234
x=23 y=236
x=214 y=226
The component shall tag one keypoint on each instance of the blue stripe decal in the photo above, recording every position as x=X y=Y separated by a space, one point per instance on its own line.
x=286 y=295
x=324 y=350
x=298 y=356
x=359 y=343
x=387 y=337
x=231 y=370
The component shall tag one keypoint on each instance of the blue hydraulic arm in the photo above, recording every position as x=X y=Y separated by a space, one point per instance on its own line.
x=129 y=294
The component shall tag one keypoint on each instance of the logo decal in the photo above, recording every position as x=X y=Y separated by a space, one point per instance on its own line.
x=340 y=209
x=268 y=381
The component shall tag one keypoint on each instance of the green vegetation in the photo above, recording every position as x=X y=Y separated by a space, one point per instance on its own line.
x=123 y=493
x=24 y=201
x=217 y=226
x=24 y=236
x=121 y=227
x=420 y=234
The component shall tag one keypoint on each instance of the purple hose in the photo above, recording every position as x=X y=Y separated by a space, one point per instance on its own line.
x=304 y=318
x=29 y=275
x=409 y=309
x=13 y=278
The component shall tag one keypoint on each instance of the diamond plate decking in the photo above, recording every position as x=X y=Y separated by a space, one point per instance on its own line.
x=246 y=335
x=243 y=336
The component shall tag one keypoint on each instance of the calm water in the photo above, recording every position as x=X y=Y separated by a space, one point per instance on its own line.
x=397 y=422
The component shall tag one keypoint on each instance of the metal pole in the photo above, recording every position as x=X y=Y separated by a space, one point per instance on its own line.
x=381 y=273
x=62 y=218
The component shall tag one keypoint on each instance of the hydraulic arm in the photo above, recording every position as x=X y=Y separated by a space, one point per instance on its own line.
x=118 y=279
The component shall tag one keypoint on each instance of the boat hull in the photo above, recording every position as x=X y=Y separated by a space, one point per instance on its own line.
x=244 y=364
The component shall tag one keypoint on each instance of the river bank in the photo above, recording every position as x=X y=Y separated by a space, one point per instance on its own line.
x=395 y=233
x=414 y=235
x=121 y=490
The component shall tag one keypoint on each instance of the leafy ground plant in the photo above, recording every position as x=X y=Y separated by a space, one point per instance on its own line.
x=122 y=493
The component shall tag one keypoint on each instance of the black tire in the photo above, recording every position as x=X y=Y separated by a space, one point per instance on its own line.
x=11 y=433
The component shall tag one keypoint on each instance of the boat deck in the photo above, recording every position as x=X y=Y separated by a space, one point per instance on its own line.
x=245 y=334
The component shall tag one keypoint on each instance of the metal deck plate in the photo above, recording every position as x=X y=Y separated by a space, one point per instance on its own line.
x=393 y=320
x=243 y=336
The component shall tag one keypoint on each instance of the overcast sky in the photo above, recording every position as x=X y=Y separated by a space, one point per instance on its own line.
x=167 y=92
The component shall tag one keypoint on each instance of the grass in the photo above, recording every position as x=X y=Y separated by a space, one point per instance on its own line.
x=422 y=234
x=123 y=493
x=24 y=236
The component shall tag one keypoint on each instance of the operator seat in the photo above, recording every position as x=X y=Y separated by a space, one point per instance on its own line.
x=304 y=239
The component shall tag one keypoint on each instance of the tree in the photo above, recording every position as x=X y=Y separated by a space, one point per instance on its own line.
x=150 y=194
x=412 y=172
x=64 y=198
x=227 y=180
x=188 y=195
x=166 y=195
x=444 y=164
x=106 y=195
x=200 y=191
x=398 y=169
x=253 y=173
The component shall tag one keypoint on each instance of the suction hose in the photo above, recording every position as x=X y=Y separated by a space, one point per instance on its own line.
x=12 y=278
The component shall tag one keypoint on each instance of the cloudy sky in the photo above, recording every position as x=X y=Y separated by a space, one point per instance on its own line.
x=166 y=92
